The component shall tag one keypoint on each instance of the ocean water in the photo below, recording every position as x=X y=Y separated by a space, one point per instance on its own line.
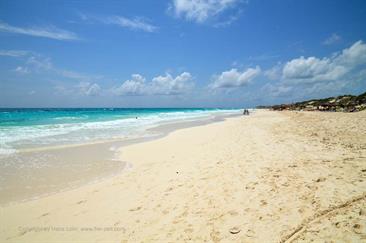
x=33 y=128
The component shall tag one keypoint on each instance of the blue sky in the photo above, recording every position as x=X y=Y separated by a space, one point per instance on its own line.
x=179 y=53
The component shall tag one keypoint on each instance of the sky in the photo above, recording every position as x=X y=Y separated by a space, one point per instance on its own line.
x=179 y=53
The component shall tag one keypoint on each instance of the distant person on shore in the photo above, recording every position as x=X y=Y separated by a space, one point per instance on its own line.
x=246 y=112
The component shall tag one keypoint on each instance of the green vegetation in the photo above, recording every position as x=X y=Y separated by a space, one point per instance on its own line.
x=344 y=103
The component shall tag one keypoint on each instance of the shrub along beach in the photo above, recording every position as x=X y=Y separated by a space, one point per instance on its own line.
x=345 y=103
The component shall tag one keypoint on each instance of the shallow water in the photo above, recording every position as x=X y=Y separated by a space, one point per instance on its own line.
x=33 y=128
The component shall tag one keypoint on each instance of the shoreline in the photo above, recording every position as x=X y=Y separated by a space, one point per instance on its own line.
x=269 y=177
x=154 y=128
x=158 y=131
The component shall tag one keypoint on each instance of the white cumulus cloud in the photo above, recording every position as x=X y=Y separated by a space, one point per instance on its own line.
x=319 y=75
x=160 y=85
x=134 y=86
x=274 y=73
x=313 y=69
x=308 y=69
x=352 y=56
x=169 y=85
x=235 y=78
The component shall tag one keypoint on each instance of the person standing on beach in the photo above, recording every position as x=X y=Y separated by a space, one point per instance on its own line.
x=246 y=112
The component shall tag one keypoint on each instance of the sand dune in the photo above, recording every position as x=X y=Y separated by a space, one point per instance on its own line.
x=269 y=177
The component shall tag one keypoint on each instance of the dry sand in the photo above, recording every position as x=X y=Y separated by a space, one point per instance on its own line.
x=269 y=177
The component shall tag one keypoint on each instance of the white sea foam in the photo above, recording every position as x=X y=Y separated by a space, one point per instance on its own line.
x=13 y=137
x=6 y=151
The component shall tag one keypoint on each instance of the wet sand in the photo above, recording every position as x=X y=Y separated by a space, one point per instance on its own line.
x=269 y=177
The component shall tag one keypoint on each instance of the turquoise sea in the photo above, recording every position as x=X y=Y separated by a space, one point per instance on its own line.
x=30 y=128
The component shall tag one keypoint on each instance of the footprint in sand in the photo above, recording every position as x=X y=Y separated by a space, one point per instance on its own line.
x=135 y=209
x=116 y=223
x=169 y=189
x=22 y=233
x=357 y=228
x=249 y=233
x=43 y=215
x=321 y=179
x=233 y=212
x=234 y=230
x=188 y=230
x=263 y=203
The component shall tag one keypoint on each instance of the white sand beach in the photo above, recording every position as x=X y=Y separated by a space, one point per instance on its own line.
x=267 y=177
